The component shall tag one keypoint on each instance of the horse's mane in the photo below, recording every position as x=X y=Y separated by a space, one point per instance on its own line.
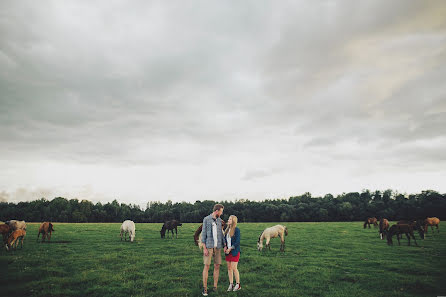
x=260 y=236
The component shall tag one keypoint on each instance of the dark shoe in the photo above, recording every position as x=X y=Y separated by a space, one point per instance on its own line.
x=214 y=289
x=205 y=292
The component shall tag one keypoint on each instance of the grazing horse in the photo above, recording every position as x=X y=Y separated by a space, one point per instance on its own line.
x=197 y=234
x=399 y=229
x=369 y=221
x=272 y=232
x=128 y=227
x=416 y=225
x=4 y=229
x=170 y=226
x=45 y=228
x=15 y=225
x=383 y=227
x=431 y=222
x=15 y=238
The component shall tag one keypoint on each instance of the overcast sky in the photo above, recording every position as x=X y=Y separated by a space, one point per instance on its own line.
x=222 y=100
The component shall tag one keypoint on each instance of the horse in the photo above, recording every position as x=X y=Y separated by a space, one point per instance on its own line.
x=383 y=227
x=170 y=226
x=369 y=221
x=128 y=227
x=431 y=222
x=4 y=229
x=45 y=228
x=272 y=232
x=15 y=238
x=15 y=225
x=399 y=229
x=197 y=234
x=416 y=225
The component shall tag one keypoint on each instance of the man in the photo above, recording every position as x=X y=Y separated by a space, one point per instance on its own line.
x=213 y=241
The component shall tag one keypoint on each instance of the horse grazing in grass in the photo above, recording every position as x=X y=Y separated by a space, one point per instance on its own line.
x=416 y=225
x=4 y=229
x=370 y=221
x=431 y=222
x=45 y=228
x=399 y=229
x=272 y=232
x=15 y=225
x=383 y=227
x=170 y=226
x=197 y=234
x=128 y=227
x=14 y=238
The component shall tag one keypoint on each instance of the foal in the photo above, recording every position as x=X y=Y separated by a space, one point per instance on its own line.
x=15 y=238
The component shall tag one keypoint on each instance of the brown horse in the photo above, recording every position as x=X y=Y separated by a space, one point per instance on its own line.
x=416 y=225
x=45 y=228
x=399 y=229
x=14 y=238
x=170 y=226
x=431 y=222
x=383 y=227
x=4 y=229
x=369 y=221
x=199 y=229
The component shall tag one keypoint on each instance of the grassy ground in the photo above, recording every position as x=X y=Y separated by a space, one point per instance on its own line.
x=321 y=259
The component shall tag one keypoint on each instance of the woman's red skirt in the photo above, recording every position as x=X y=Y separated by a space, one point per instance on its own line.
x=231 y=258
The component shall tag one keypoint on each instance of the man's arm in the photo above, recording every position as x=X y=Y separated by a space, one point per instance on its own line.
x=204 y=232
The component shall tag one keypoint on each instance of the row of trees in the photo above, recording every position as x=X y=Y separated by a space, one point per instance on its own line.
x=346 y=207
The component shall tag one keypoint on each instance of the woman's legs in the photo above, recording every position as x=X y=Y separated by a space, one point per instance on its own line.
x=237 y=274
x=230 y=272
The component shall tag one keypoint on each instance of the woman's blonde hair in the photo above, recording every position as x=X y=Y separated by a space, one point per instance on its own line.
x=231 y=228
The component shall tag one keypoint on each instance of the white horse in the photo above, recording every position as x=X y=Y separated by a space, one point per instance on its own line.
x=272 y=232
x=128 y=227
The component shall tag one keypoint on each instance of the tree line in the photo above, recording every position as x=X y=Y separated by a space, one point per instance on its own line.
x=352 y=206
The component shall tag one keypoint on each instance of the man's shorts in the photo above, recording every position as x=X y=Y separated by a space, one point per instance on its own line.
x=213 y=253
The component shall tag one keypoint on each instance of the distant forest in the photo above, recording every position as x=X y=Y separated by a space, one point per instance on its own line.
x=305 y=208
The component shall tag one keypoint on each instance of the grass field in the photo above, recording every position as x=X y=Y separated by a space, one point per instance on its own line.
x=321 y=259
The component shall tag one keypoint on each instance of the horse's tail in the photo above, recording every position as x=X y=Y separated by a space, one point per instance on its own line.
x=51 y=228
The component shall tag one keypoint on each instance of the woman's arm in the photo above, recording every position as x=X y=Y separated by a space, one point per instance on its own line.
x=236 y=242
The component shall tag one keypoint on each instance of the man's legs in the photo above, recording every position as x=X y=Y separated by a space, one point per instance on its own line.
x=205 y=275
x=216 y=274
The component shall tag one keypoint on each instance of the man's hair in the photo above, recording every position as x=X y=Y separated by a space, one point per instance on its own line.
x=218 y=207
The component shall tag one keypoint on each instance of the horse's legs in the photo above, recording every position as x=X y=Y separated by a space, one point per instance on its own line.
x=398 y=237
x=282 y=243
x=413 y=236
x=408 y=238
x=176 y=232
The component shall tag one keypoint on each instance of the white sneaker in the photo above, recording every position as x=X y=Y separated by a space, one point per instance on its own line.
x=237 y=287
x=231 y=286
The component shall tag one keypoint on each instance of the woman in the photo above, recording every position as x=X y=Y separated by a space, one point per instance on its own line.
x=232 y=251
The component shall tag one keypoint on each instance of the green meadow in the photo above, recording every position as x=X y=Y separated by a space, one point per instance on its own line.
x=321 y=259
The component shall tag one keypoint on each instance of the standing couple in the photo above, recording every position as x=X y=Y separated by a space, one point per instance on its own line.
x=214 y=239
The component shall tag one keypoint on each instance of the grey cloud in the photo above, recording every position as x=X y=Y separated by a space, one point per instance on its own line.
x=185 y=83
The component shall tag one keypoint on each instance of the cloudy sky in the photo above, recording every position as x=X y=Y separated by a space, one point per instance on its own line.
x=157 y=100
